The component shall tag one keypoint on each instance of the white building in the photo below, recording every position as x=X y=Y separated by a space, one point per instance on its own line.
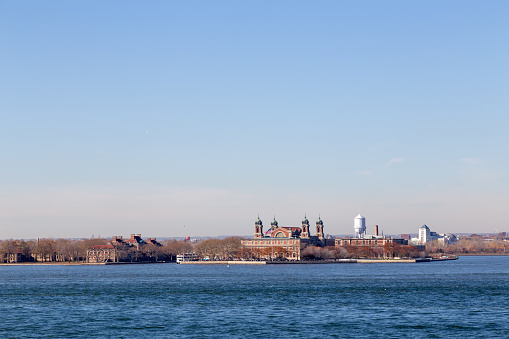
x=425 y=236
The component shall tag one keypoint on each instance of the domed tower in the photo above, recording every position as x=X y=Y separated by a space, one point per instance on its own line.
x=319 y=228
x=305 y=228
x=359 y=225
x=273 y=224
x=258 y=228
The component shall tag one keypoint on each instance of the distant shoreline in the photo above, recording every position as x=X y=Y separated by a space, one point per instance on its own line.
x=479 y=254
x=240 y=262
x=51 y=263
x=66 y=263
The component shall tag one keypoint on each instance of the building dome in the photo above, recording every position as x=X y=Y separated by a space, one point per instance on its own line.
x=305 y=220
x=274 y=222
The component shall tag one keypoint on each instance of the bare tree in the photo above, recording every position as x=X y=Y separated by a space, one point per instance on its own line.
x=230 y=247
x=67 y=250
x=171 y=248
x=45 y=250
x=209 y=248
x=8 y=251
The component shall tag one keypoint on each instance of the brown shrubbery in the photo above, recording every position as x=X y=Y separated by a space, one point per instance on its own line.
x=389 y=250
x=473 y=244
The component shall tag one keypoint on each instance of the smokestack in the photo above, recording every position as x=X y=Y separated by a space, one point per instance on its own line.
x=376 y=230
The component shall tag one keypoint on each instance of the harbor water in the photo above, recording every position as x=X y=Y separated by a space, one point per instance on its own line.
x=467 y=298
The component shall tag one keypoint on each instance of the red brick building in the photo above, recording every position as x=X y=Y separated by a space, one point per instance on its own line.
x=283 y=242
x=102 y=253
x=121 y=250
x=374 y=245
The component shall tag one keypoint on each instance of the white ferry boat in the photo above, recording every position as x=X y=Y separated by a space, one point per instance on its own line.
x=186 y=257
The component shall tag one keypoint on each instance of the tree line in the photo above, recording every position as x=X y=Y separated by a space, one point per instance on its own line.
x=472 y=245
x=46 y=250
x=388 y=250
x=67 y=250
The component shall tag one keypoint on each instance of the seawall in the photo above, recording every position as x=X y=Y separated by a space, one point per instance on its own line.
x=301 y=262
x=236 y=262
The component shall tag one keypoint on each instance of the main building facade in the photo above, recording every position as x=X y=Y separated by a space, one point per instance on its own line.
x=280 y=242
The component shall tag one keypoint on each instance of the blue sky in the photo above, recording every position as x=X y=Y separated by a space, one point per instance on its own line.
x=191 y=118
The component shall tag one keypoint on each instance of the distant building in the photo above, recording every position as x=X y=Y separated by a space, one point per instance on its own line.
x=426 y=236
x=374 y=244
x=406 y=236
x=118 y=248
x=135 y=241
x=102 y=253
x=11 y=257
x=284 y=242
x=287 y=242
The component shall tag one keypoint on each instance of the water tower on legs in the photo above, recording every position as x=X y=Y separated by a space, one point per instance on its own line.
x=359 y=224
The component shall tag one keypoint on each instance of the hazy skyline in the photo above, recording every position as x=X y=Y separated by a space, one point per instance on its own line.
x=192 y=118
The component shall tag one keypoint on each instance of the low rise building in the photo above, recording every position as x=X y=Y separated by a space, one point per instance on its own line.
x=102 y=253
x=11 y=257
x=375 y=245
x=133 y=249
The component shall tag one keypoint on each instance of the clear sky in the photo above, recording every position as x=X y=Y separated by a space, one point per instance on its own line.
x=176 y=118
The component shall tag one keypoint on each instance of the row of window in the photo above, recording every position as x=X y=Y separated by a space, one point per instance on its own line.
x=270 y=242
x=287 y=254
x=276 y=254
x=358 y=242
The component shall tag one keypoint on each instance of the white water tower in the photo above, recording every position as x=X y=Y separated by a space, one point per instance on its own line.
x=359 y=224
